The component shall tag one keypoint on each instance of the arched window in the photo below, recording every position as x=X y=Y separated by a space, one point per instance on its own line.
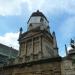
x=41 y=20
x=30 y=26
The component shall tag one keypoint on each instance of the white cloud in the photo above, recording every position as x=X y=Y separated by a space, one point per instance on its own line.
x=14 y=7
x=10 y=7
x=10 y=39
x=35 y=4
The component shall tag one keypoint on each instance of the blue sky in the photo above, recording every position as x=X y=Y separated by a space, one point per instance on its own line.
x=15 y=14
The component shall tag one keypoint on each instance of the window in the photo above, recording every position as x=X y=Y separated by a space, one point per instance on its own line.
x=29 y=47
x=36 y=45
x=49 y=51
x=47 y=27
x=22 y=46
x=30 y=25
x=41 y=20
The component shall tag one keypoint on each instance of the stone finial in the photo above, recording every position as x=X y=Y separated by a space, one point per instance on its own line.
x=21 y=30
x=66 y=50
x=37 y=10
x=72 y=43
x=55 y=43
x=54 y=39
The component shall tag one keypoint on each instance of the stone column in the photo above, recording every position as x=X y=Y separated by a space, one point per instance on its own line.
x=41 y=46
x=25 y=49
x=33 y=47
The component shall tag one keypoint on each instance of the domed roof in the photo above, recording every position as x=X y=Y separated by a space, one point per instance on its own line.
x=71 y=51
x=37 y=13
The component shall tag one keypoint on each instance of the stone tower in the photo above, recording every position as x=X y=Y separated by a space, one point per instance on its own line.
x=38 y=42
x=38 y=52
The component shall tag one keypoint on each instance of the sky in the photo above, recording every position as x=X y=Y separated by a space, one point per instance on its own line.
x=15 y=14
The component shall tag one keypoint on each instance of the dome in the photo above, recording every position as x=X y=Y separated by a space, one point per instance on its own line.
x=71 y=51
x=38 y=13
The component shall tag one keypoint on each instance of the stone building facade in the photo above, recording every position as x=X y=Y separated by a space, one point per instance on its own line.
x=68 y=62
x=38 y=42
x=41 y=67
x=7 y=54
x=67 y=67
x=38 y=52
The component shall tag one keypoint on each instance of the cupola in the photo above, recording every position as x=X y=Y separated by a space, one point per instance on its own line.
x=38 y=21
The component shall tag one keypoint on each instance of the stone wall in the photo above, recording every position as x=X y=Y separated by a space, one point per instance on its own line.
x=35 y=68
x=67 y=67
